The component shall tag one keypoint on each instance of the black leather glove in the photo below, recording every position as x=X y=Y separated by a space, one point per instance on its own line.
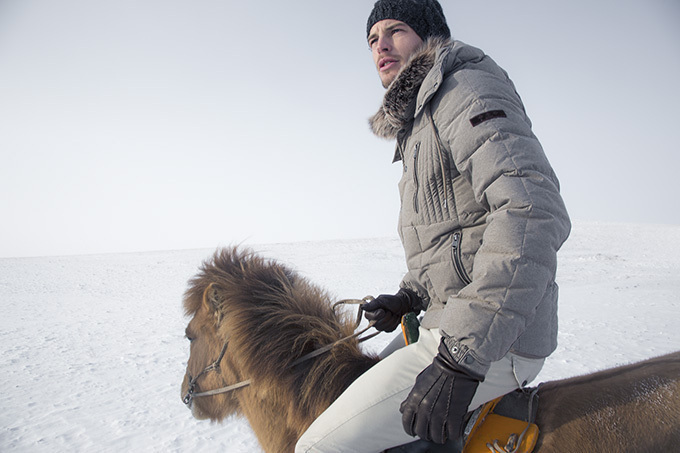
x=386 y=310
x=436 y=407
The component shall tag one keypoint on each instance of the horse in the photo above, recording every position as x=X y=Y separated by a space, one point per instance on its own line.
x=267 y=344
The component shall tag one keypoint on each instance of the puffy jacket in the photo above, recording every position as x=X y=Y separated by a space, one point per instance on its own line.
x=481 y=216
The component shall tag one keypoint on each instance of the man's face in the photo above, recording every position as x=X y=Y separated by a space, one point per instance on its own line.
x=392 y=42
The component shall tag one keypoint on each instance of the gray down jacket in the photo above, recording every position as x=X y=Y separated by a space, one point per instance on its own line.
x=481 y=216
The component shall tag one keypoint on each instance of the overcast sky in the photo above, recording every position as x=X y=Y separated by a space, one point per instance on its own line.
x=136 y=125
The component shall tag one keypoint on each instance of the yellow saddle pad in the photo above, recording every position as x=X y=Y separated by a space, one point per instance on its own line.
x=497 y=433
x=497 y=430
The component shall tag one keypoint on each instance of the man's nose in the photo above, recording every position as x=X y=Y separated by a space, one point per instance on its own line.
x=384 y=44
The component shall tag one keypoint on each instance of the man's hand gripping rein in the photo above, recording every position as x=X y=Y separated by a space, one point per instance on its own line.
x=386 y=310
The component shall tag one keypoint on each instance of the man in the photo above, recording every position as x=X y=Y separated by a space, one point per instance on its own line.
x=481 y=222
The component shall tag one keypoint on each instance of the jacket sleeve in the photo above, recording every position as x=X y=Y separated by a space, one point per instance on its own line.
x=482 y=122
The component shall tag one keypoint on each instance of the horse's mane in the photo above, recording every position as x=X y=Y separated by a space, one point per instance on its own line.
x=272 y=316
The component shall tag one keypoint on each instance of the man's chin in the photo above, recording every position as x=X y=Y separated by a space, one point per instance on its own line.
x=387 y=80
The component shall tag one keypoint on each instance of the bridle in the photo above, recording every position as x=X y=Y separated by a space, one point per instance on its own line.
x=215 y=366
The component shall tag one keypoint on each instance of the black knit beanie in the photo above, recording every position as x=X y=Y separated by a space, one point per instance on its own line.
x=425 y=17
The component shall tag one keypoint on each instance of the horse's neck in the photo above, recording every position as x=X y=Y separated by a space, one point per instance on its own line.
x=271 y=419
x=278 y=416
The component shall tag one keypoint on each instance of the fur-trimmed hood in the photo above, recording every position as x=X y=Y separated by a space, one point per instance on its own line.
x=399 y=104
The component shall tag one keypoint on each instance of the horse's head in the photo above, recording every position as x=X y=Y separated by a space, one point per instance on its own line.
x=235 y=315
x=209 y=366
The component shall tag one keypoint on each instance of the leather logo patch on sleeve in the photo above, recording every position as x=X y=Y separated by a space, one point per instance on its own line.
x=486 y=116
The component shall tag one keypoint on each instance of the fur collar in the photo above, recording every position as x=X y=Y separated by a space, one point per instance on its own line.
x=399 y=104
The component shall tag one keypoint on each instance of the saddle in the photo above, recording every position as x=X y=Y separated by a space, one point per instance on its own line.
x=503 y=425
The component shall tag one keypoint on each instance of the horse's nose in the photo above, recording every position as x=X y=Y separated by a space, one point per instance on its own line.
x=188 y=399
x=187 y=391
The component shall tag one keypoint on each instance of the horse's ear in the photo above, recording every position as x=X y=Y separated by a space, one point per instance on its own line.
x=211 y=299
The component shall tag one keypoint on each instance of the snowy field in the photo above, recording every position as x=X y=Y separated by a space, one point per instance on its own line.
x=93 y=348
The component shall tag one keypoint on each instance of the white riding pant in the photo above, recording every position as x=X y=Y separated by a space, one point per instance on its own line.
x=366 y=417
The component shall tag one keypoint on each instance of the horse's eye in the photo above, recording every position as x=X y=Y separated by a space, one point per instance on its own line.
x=188 y=335
x=189 y=338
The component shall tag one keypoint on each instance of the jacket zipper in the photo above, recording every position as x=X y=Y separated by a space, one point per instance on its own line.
x=456 y=256
x=415 y=177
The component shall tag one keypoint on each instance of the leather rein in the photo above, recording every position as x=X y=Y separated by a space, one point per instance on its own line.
x=215 y=366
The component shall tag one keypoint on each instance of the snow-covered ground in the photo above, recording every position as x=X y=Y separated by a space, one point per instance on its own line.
x=93 y=348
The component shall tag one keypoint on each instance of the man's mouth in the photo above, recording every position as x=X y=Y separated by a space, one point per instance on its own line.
x=387 y=63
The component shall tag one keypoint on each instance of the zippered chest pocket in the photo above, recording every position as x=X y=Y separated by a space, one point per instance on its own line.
x=409 y=185
x=416 y=151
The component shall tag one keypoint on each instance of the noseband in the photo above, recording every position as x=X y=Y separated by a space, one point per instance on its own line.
x=215 y=366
